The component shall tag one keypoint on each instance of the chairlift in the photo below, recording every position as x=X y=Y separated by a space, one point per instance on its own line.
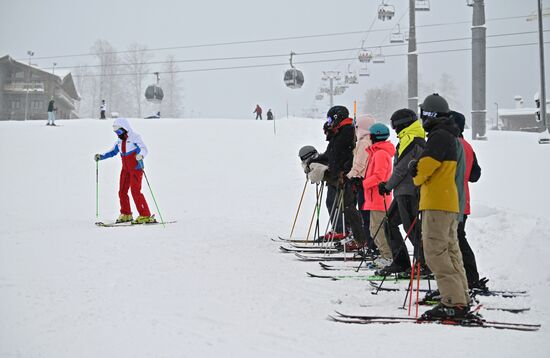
x=422 y=5
x=351 y=77
x=294 y=78
x=364 y=56
x=397 y=36
x=154 y=93
x=339 y=90
x=379 y=58
x=364 y=72
x=385 y=11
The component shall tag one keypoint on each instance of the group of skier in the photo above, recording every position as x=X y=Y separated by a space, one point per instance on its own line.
x=421 y=184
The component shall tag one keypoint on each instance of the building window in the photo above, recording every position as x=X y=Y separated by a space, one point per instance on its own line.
x=19 y=75
x=37 y=105
x=16 y=104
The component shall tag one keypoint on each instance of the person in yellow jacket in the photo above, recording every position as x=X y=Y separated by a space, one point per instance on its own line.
x=435 y=174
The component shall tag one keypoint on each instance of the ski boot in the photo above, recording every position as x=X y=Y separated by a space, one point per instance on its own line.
x=124 y=218
x=442 y=312
x=144 y=220
x=393 y=268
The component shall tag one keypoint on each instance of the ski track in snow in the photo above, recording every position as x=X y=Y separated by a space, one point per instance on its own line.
x=213 y=284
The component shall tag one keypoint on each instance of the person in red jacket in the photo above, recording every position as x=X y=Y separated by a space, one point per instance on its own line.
x=258 y=111
x=472 y=175
x=379 y=169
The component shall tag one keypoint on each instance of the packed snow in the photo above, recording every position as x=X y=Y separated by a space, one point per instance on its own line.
x=213 y=284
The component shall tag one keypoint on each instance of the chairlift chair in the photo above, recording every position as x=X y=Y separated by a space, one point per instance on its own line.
x=293 y=78
x=154 y=93
x=364 y=56
x=364 y=72
x=397 y=36
x=378 y=57
x=422 y=5
x=386 y=12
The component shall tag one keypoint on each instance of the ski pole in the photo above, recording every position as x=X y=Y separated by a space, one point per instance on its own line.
x=155 y=200
x=97 y=189
x=298 y=210
x=314 y=210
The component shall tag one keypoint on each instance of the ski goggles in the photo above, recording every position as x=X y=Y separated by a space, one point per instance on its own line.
x=119 y=131
x=426 y=114
x=329 y=120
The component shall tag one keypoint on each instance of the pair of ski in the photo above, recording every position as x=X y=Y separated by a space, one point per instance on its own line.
x=130 y=223
x=360 y=277
x=500 y=293
x=473 y=320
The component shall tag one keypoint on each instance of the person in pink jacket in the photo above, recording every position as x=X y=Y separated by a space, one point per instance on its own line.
x=379 y=169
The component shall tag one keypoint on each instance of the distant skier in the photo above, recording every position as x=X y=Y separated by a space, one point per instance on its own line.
x=102 y=110
x=132 y=151
x=258 y=111
x=269 y=115
x=51 y=112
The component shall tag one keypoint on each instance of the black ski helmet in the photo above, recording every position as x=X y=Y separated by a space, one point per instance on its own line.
x=459 y=120
x=402 y=118
x=306 y=152
x=336 y=115
x=434 y=106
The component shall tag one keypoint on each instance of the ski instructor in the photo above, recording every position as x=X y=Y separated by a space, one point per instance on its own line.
x=132 y=151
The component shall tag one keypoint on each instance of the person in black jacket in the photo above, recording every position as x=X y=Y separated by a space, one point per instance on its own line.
x=404 y=207
x=340 y=133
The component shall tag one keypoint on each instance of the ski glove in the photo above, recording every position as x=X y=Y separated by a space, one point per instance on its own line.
x=382 y=190
x=412 y=167
x=98 y=157
x=139 y=157
x=316 y=173
x=140 y=164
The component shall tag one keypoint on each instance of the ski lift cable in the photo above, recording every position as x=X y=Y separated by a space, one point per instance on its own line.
x=306 y=62
x=230 y=43
x=355 y=49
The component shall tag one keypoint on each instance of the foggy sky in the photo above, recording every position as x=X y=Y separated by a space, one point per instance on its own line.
x=60 y=27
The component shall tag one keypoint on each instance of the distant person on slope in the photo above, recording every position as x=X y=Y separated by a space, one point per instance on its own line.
x=258 y=111
x=269 y=115
x=132 y=151
x=102 y=110
x=51 y=113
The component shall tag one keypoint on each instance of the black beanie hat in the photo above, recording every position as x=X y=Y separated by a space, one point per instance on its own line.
x=459 y=119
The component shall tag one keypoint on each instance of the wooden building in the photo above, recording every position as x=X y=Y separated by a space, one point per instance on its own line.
x=23 y=85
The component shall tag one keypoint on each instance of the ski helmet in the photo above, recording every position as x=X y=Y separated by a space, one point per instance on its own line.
x=434 y=106
x=402 y=118
x=459 y=120
x=379 y=132
x=306 y=152
x=336 y=115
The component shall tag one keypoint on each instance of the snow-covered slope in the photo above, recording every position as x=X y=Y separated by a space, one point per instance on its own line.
x=213 y=284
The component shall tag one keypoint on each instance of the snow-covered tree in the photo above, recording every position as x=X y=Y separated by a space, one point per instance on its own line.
x=136 y=65
x=172 y=105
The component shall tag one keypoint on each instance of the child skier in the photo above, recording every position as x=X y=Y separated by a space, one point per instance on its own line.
x=379 y=169
x=132 y=151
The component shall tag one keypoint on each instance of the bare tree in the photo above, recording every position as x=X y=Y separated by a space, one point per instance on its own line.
x=173 y=93
x=136 y=65
x=86 y=84
x=107 y=74
x=381 y=102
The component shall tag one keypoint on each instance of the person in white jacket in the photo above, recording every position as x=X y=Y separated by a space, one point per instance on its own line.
x=132 y=151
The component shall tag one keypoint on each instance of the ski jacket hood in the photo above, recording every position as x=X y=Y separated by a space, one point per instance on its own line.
x=407 y=135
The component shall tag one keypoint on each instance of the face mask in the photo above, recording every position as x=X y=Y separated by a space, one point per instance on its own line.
x=121 y=133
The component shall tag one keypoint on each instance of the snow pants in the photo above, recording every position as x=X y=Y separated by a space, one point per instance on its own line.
x=468 y=256
x=365 y=214
x=443 y=257
x=335 y=221
x=352 y=217
x=377 y=218
x=51 y=117
x=131 y=179
x=402 y=211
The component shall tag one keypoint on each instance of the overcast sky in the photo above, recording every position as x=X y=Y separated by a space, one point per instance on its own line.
x=61 y=27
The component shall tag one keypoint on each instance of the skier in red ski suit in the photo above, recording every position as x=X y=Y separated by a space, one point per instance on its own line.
x=132 y=151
